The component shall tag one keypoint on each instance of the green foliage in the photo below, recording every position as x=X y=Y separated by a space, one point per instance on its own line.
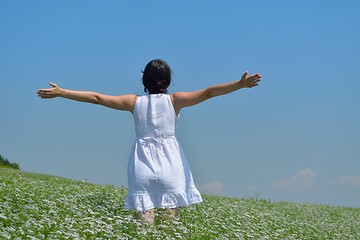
x=45 y=207
x=6 y=163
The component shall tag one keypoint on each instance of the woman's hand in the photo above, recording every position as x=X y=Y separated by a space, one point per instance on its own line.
x=250 y=81
x=53 y=92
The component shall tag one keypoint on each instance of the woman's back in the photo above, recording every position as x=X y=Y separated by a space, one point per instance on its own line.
x=154 y=116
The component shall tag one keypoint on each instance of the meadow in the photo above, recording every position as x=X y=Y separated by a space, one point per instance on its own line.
x=35 y=206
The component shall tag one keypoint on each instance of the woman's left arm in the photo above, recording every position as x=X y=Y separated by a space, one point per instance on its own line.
x=123 y=102
x=187 y=99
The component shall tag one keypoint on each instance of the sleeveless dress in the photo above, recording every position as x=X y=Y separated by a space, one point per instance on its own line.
x=159 y=175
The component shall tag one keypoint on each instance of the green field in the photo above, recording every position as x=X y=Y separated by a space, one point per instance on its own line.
x=34 y=206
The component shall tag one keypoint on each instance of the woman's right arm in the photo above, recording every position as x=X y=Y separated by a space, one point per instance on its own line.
x=187 y=99
x=123 y=102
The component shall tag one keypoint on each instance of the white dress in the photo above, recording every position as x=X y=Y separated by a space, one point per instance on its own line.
x=159 y=175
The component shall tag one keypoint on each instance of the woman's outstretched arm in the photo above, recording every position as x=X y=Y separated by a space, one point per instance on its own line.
x=186 y=99
x=122 y=102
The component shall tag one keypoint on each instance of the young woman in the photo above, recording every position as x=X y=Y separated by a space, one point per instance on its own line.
x=159 y=175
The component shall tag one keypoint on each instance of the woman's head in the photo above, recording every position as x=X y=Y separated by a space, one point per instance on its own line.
x=157 y=77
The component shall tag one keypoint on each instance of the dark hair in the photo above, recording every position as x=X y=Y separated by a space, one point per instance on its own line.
x=156 y=77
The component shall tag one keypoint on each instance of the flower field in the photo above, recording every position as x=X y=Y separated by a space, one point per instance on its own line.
x=34 y=206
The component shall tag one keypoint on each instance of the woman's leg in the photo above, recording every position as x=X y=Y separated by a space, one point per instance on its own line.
x=172 y=212
x=147 y=216
x=167 y=214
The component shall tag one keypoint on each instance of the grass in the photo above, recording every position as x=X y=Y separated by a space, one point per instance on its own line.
x=34 y=206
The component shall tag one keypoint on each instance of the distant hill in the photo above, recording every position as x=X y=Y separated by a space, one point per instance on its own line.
x=6 y=163
x=40 y=206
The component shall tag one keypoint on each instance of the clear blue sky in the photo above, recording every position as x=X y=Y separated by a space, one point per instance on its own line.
x=294 y=138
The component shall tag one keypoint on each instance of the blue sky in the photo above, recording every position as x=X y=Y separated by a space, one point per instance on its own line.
x=294 y=138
